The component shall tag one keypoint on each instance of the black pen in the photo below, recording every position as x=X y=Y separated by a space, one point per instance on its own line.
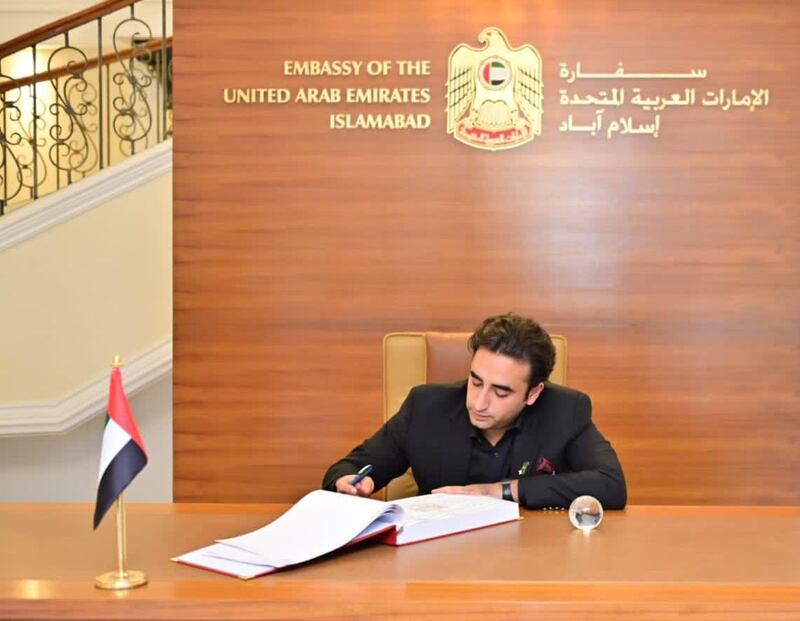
x=361 y=474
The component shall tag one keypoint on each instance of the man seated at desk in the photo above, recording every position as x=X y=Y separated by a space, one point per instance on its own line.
x=505 y=431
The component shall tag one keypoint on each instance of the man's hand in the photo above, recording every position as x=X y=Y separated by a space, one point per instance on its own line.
x=364 y=488
x=495 y=490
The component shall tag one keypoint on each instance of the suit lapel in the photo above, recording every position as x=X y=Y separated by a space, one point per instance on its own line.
x=527 y=446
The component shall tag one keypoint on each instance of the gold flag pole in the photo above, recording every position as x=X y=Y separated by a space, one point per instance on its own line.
x=122 y=578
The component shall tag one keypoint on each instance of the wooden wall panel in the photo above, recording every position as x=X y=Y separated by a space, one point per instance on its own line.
x=672 y=265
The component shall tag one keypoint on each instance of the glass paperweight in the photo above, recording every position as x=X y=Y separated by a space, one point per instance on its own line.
x=586 y=513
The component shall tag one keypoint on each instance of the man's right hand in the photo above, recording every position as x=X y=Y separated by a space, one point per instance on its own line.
x=364 y=488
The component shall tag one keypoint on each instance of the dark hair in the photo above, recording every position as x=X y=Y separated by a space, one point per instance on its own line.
x=519 y=338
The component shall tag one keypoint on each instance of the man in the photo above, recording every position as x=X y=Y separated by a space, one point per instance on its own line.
x=505 y=432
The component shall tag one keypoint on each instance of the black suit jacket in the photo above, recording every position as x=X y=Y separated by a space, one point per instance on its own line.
x=431 y=434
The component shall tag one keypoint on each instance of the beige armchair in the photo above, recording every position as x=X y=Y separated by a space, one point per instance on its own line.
x=412 y=358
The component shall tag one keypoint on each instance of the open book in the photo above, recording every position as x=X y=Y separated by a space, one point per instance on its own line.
x=323 y=521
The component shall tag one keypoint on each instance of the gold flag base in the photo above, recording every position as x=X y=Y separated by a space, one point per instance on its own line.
x=114 y=581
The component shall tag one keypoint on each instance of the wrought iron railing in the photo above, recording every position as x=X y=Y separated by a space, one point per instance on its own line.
x=81 y=94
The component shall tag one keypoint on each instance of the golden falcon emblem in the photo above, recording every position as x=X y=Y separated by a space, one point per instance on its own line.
x=494 y=93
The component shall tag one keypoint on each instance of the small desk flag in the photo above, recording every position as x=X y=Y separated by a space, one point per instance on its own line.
x=123 y=454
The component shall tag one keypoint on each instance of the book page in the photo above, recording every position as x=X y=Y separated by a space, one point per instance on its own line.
x=437 y=515
x=437 y=507
x=318 y=523
x=209 y=558
x=232 y=553
x=384 y=522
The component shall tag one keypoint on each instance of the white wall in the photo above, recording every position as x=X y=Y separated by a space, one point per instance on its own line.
x=64 y=467
x=72 y=297
x=77 y=294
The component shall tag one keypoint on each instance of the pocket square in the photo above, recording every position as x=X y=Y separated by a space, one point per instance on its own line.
x=544 y=466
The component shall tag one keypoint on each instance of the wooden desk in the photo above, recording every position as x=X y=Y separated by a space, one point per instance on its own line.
x=643 y=563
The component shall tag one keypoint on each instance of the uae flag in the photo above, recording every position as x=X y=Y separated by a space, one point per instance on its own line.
x=495 y=73
x=123 y=454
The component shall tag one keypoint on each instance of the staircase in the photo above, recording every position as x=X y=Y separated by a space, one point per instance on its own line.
x=81 y=94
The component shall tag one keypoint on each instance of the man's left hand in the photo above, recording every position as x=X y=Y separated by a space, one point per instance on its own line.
x=495 y=490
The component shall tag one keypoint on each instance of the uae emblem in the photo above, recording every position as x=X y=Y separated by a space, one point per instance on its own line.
x=494 y=93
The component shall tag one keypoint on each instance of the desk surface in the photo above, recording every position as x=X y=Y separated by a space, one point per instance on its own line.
x=643 y=563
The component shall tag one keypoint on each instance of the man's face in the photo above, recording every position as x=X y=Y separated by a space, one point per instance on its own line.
x=497 y=391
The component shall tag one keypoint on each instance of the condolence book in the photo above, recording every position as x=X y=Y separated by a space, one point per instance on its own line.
x=323 y=521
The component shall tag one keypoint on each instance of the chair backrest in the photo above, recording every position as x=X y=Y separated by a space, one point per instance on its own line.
x=413 y=358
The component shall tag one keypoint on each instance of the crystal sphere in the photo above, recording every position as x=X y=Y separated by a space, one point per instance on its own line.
x=586 y=513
